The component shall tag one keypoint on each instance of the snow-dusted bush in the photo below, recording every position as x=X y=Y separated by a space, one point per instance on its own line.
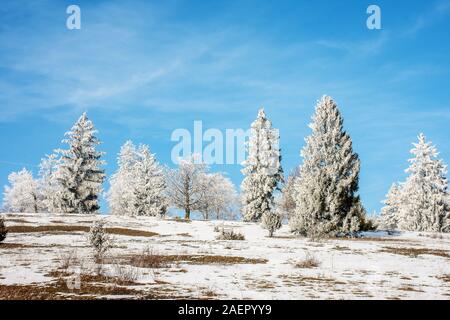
x=79 y=173
x=138 y=186
x=99 y=239
x=262 y=169
x=423 y=203
x=23 y=193
x=229 y=235
x=271 y=221
x=126 y=274
x=3 y=230
x=325 y=191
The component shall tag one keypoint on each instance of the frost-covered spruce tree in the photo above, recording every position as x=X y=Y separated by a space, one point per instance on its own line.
x=121 y=196
x=150 y=184
x=79 y=173
x=49 y=187
x=138 y=186
x=262 y=169
x=23 y=193
x=286 y=204
x=99 y=239
x=390 y=212
x=424 y=206
x=326 y=199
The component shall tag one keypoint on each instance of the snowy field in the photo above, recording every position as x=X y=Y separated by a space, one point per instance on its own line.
x=48 y=256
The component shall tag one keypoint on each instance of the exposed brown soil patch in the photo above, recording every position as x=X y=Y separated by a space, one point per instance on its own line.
x=444 y=277
x=161 y=261
x=79 y=228
x=91 y=287
x=414 y=252
x=409 y=288
x=9 y=245
x=17 y=220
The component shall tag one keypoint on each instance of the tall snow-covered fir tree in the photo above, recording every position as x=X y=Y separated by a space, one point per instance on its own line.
x=390 y=212
x=325 y=197
x=49 y=187
x=423 y=205
x=120 y=196
x=23 y=193
x=138 y=186
x=150 y=184
x=79 y=173
x=286 y=203
x=262 y=169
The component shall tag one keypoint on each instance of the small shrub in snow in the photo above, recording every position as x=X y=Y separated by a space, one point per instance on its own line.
x=149 y=259
x=68 y=260
x=126 y=274
x=310 y=261
x=230 y=235
x=271 y=221
x=3 y=230
x=99 y=239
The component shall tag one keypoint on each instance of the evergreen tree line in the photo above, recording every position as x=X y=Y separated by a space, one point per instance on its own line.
x=319 y=199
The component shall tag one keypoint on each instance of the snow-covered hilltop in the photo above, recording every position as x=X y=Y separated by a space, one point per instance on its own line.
x=49 y=256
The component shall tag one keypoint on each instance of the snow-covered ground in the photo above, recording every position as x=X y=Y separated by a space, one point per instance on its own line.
x=377 y=266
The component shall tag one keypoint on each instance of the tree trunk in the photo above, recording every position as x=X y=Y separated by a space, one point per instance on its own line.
x=187 y=214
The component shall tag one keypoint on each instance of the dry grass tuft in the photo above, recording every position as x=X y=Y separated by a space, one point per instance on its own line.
x=310 y=261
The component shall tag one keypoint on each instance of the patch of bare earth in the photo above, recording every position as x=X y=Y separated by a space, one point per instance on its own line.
x=295 y=280
x=444 y=277
x=162 y=261
x=415 y=252
x=9 y=245
x=17 y=220
x=261 y=285
x=91 y=287
x=409 y=288
x=79 y=228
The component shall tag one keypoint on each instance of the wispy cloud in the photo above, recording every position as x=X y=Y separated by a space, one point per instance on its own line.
x=438 y=11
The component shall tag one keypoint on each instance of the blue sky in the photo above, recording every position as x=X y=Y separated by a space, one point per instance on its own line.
x=142 y=69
